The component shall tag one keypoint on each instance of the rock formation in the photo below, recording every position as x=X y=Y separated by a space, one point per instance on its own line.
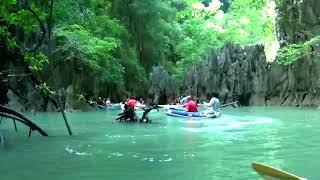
x=243 y=74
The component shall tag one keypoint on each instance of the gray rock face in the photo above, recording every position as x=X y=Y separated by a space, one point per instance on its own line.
x=73 y=104
x=162 y=85
x=242 y=74
x=298 y=20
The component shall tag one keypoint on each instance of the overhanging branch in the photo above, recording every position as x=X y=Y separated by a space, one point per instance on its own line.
x=41 y=24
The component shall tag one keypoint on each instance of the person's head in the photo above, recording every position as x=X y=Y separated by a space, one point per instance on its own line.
x=108 y=99
x=215 y=94
x=189 y=98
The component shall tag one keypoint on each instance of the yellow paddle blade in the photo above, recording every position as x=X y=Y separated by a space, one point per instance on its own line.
x=271 y=173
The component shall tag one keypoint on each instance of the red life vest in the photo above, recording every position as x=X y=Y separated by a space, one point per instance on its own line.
x=191 y=106
x=132 y=102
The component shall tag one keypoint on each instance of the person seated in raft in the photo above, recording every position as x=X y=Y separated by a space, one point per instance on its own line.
x=198 y=101
x=214 y=104
x=91 y=102
x=108 y=102
x=173 y=101
x=185 y=100
x=178 y=101
x=141 y=101
x=191 y=106
x=100 y=103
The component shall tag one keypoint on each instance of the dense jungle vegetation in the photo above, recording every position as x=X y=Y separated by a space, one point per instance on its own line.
x=119 y=41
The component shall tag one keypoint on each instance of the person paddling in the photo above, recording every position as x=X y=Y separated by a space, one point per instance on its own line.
x=135 y=103
x=185 y=100
x=191 y=106
x=214 y=104
x=132 y=102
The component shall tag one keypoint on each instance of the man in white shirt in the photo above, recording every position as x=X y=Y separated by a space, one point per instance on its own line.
x=214 y=104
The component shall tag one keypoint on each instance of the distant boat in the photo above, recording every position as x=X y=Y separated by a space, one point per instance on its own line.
x=115 y=106
x=271 y=173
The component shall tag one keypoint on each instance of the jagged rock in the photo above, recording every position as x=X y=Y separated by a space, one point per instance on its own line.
x=73 y=103
x=162 y=85
x=15 y=102
x=298 y=20
x=243 y=74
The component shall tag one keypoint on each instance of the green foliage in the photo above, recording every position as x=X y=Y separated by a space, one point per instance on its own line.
x=204 y=28
x=153 y=28
x=45 y=89
x=95 y=53
x=87 y=33
x=21 y=16
x=36 y=62
x=294 y=52
x=119 y=41
x=12 y=14
x=80 y=98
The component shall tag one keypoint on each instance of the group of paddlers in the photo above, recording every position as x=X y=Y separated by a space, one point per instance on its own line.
x=129 y=114
x=188 y=102
x=101 y=102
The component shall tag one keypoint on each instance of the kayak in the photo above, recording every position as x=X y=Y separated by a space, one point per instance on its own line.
x=271 y=173
x=183 y=113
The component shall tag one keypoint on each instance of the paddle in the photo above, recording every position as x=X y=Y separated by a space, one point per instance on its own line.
x=228 y=104
x=268 y=172
x=224 y=105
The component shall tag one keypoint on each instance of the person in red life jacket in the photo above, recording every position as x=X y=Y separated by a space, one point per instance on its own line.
x=191 y=106
x=132 y=102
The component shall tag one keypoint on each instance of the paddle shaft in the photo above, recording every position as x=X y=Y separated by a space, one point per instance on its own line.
x=228 y=104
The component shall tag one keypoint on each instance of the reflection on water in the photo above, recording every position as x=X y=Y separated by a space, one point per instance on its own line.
x=169 y=148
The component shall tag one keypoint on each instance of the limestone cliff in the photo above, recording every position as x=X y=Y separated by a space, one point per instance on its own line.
x=297 y=20
x=243 y=74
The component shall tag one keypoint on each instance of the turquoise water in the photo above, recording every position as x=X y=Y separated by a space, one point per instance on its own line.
x=169 y=148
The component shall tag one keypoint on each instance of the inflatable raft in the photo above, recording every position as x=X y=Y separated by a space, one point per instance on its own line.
x=183 y=113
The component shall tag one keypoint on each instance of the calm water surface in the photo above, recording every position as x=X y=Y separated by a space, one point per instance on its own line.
x=169 y=148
